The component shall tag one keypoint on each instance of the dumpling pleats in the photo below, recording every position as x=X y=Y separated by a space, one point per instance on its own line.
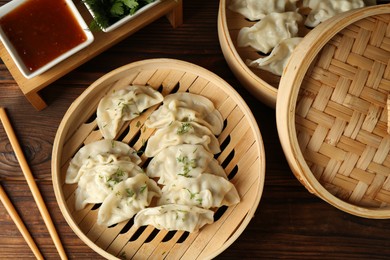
x=321 y=10
x=98 y=181
x=123 y=105
x=183 y=161
x=270 y=31
x=277 y=60
x=126 y=199
x=182 y=133
x=258 y=9
x=186 y=107
x=99 y=152
x=175 y=217
x=206 y=191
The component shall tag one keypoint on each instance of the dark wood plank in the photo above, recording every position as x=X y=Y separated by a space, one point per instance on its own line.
x=290 y=223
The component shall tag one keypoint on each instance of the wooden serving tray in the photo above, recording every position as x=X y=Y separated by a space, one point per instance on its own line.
x=30 y=87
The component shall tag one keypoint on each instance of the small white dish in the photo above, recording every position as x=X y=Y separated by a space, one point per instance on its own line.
x=124 y=19
x=11 y=6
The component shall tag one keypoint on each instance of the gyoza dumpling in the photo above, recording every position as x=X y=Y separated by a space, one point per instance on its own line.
x=175 y=217
x=126 y=199
x=182 y=133
x=258 y=9
x=122 y=105
x=277 y=60
x=102 y=151
x=206 y=191
x=186 y=107
x=183 y=161
x=97 y=182
x=270 y=31
x=322 y=10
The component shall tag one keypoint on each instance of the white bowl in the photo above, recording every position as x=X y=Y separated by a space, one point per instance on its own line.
x=124 y=19
x=9 y=7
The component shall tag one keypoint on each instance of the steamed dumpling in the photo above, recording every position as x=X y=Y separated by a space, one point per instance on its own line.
x=122 y=105
x=270 y=31
x=99 y=152
x=258 y=9
x=182 y=133
x=206 y=191
x=322 y=10
x=175 y=217
x=186 y=107
x=126 y=199
x=98 y=181
x=183 y=161
x=277 y=60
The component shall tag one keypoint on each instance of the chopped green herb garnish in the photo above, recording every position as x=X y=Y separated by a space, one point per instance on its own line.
x=115 y=178
x=192 y=195
x=142 y=189
x=184 y=128
x=188 y=165
x=119 y=172
x=129 y=193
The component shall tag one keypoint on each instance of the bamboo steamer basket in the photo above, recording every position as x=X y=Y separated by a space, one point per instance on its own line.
x=263 y=87
x=331 y=112
x=260 y=83
x=242 y=157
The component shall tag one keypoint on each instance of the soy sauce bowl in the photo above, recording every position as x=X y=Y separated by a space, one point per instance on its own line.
x=40 y=34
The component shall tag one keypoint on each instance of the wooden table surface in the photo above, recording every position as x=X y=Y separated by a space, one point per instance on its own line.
x=290 y=223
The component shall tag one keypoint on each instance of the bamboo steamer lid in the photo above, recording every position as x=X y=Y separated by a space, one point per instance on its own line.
x=332 y=111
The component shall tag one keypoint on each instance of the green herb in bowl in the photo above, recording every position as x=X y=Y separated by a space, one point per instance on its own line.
x=106 y=13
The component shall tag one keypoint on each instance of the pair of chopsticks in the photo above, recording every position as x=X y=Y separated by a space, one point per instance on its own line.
x=35 y=192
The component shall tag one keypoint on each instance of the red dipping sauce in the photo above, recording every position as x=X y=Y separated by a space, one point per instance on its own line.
x=42 y=30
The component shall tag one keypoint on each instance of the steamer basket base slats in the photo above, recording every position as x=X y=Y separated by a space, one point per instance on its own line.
x=242 y=157
x=340 y=113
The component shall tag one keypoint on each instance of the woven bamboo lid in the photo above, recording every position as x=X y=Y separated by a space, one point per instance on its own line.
x=332 y=115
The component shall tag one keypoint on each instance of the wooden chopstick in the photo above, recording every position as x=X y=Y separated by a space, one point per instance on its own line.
x=31 y=182
x=19 y=223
